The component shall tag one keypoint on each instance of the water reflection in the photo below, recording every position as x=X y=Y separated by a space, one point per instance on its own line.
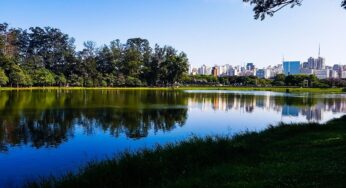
x=310 y=106
x=46 y=119
x=49 y=118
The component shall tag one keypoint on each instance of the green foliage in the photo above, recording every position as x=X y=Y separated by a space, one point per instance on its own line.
x=75 y=80
x=17 y=76
x=60 y=80
x=50 y=57
x=279 y=80
x=270 y=7
x=43 y=77
x=133 y=82
x=298 y=80
x=200 y=79
x=3 y=78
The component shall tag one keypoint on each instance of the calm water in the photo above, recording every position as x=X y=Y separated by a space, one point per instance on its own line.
x=51 y=132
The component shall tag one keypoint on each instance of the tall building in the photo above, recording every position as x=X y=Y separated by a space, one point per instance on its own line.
x=250 y=66
x=223 y=70
x=305 y=65
x=215 y=71
x=338 y=69
x=278 y=69
x=263 y=73
x=291 y=67
x=322 y=74
x=209 y=69
x=320 y=63
x=311 y=64
x=307 y=71
x=203 y=70
x=333 y=74
x=343 y=74
x=194 y=71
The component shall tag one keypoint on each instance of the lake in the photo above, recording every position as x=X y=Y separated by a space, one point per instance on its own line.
x=46 y=132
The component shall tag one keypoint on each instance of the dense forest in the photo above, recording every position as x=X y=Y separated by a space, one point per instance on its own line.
x=48 y=57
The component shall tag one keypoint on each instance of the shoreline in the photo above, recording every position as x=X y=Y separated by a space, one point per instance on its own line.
x=273 y=89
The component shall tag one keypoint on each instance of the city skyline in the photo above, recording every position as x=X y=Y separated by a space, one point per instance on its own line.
x=312 y=66
x=279 y=62
x=209 y=31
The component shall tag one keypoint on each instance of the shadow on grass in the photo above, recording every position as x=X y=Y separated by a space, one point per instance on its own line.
x=287 y=155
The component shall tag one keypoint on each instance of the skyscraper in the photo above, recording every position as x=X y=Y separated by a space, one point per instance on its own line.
x=215 y=71
x=250 y=66
x=291 y=67
x=320 y=63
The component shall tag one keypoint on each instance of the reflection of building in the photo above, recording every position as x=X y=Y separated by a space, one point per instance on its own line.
x=312 y=114
x=290 y=110
x=311 y=110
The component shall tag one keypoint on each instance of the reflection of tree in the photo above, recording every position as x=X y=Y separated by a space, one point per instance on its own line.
x=46 y=119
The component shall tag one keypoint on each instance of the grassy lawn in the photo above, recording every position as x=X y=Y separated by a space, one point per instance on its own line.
x=275 y=89
x=288 y=155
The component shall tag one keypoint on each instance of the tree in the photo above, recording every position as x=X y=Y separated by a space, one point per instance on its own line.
x=43 y=77
x=151 y=70
x=50 y=58
x=173 y=67
x=50 y=44
x=75 y=80
x=18 y=77
x=3 y=78
x=137 y=54
x=270 y=7
x=279 y=80
x=105 y=62
x=133 y=82
x=60 y=80
x=3 y=32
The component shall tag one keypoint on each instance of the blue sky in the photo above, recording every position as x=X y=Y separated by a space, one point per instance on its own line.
x=209 y=31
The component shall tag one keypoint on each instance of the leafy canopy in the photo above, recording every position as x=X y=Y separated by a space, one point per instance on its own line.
x=262 y=8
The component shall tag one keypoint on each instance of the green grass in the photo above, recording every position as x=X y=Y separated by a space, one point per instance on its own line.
x=289 y=155
x=275 y=89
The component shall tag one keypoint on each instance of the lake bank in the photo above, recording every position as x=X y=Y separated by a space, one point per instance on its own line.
x=274 y=89
x=289 y=155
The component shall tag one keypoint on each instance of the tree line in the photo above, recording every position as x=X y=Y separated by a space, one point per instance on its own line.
x=279 y=80
x=48 y=57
